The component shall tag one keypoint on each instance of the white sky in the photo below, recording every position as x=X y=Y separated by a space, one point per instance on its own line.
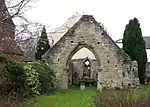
x=115 y=14
x=83 y=53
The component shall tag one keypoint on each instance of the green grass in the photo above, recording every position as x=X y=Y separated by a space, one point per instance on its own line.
x=139 y=97
x=67 y=98
x=83 y=98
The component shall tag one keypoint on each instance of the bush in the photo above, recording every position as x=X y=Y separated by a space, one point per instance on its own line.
x=29 y=79
x=46 y=75
x=12 y=78
x=32 y=80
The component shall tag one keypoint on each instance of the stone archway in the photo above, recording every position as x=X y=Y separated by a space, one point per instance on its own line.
x=77 y=48
x=85 y=70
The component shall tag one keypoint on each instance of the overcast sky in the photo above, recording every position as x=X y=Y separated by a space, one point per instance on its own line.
x=115 y=14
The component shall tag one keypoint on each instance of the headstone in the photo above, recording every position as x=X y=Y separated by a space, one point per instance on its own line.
x=82 y=86
x=99 y=86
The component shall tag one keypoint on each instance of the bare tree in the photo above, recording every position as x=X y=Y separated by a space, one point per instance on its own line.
x=14 y=9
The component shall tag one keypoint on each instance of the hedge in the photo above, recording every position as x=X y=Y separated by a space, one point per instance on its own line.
x=25 y=79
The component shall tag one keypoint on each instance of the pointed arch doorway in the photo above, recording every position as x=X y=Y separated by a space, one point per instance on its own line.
x=83 y=63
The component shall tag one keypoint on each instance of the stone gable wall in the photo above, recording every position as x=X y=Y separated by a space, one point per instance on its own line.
x=88 y=33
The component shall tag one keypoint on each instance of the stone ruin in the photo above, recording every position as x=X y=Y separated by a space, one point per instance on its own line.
x=83 y=70
x=112 y=68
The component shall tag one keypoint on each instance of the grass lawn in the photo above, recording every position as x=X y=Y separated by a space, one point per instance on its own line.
x=84 y=98
x=67 y=98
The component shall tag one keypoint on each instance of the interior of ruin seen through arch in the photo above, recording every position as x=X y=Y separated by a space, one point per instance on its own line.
x=82 y=69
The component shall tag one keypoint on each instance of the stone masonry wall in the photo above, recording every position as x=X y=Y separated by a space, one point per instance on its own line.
x=88 y=33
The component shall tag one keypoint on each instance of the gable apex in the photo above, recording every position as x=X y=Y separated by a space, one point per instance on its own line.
x=90 y=19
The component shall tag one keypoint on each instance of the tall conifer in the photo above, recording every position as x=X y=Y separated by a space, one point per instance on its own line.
x=42 y=45
x=134 y=46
